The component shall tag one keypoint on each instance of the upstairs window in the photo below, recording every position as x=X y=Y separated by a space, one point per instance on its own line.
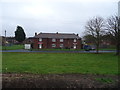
x=61 y=40
x=40 y=39
x=53 y=40
x=75 y=40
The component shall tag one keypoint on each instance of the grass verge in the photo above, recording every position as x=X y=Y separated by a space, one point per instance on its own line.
x=13 y=47
x=47 y=63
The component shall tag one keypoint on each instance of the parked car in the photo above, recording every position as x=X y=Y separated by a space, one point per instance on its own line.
x=88 y=48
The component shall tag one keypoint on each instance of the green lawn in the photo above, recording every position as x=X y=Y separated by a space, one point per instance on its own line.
x=13 y=47
x=47 y=63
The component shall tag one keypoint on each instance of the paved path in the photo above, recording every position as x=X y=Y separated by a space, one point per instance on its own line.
x=22 y=50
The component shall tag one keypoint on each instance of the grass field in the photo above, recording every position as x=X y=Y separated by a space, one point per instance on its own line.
x=52 y=63
x=13 y=47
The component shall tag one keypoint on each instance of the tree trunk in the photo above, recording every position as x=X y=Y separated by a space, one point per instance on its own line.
x=97 y=49
x=118 y=49
x=97 y=45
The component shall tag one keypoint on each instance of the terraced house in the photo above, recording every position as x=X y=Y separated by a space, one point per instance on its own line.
x=56 y=40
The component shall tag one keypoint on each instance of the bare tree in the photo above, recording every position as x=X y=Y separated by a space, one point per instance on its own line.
x=113 y=27
x=95 y=28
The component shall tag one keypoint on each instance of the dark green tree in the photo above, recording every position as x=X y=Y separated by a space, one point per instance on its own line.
x=20 y=34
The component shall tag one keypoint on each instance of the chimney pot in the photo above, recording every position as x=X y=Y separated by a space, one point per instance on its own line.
x=35 y=34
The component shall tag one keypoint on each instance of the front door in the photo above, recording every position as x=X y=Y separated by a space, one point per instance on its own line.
x=40 y=46
x=74 y=46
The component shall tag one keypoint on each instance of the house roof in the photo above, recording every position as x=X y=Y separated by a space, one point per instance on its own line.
x=57 y=35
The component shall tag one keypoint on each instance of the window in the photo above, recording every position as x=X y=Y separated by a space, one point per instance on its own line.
x=61 y=45
x=61 y=40
x=74 y=40
x=53 y=40
x=53 y=45
x=40 y=39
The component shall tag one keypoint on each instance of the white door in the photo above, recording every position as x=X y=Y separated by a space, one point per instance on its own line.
x=40 y=46
x=74 y=46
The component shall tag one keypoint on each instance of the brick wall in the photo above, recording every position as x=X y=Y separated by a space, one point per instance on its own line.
x=47 y=43
x=35 y=43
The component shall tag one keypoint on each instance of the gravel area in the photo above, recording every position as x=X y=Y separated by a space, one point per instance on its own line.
x=59 y=81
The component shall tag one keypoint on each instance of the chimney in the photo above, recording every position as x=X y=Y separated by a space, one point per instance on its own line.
x=77 y=34
x=35 y=34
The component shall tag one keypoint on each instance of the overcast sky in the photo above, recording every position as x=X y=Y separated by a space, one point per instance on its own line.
x=63 y=16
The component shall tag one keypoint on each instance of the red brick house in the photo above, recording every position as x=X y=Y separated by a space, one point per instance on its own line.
x=55 y=40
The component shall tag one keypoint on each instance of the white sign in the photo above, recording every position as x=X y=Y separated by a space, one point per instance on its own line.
x=27 y=46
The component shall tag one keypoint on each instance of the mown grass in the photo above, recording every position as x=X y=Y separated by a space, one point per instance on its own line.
x=47 y=63
x=13 y=47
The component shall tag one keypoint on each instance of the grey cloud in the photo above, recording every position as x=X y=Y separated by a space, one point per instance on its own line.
x=67 y=17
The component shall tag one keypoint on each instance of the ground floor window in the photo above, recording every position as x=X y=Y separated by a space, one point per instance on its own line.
x=61 y=45
x=53 y=45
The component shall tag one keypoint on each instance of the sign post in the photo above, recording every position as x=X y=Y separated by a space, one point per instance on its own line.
x=5 y=39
